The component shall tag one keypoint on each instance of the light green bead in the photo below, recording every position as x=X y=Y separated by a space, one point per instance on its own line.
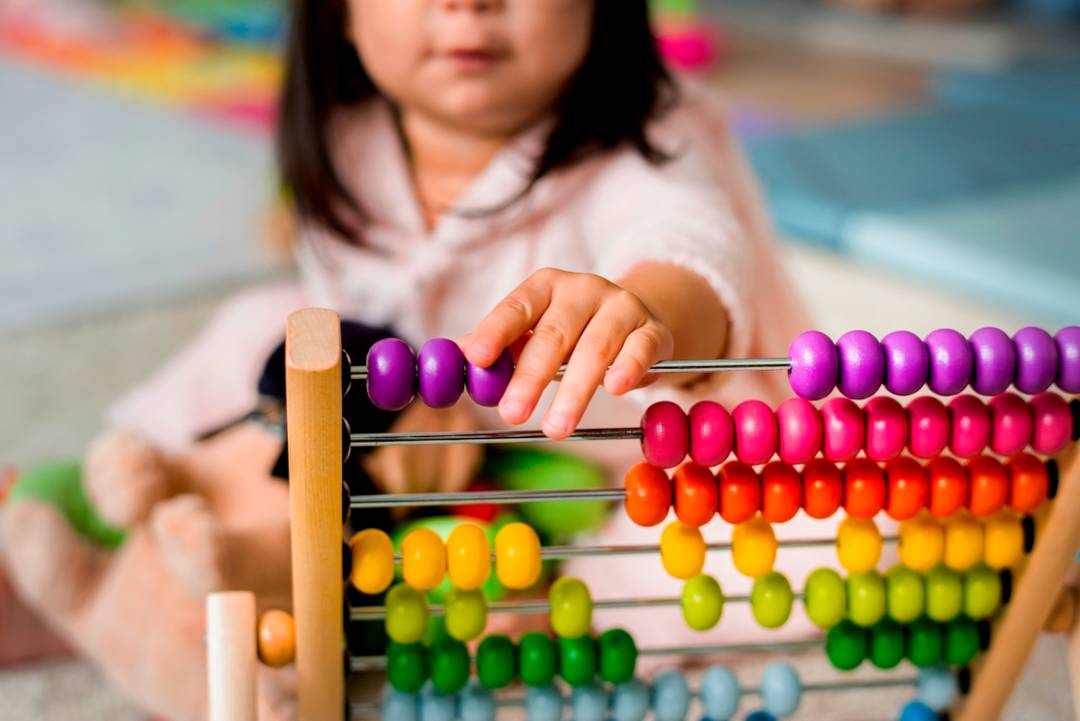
x=466 y=613
x=982 y=592
x=702 y=602
x=866 y=598
x=771 y=599
x=906 y=596
x=406 y=614
x=825 y=598
x=571 y=607
x=944 y=594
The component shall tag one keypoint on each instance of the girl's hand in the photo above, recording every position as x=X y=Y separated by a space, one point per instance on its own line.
x=581 y=319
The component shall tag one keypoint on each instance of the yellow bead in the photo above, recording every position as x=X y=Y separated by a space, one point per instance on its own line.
x=922 y=543
x=372 y=561
x=517 y=556
x=753 y=547
x=468 y=557
x=277 y=639
x=682 y=550
x=1003 y=541
x=423 y=559
x=858 y=545
x=963 y=542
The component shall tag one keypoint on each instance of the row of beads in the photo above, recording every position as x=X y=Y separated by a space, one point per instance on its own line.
x=439 y=373
x=923 y=642
x=861 y=487
x=882 y=429
x=988 y=361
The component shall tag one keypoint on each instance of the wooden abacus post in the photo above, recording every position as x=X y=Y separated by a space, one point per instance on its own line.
x=230 y=655
x=1032 y=601
x=313 y=407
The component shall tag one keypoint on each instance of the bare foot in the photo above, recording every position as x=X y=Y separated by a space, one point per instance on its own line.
x=26 y=638
x=190 y=540
x=125 y=476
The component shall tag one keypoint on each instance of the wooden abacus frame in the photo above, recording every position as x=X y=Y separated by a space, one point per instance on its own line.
x=313 y=358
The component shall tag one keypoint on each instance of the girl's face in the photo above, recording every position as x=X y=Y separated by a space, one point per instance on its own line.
x=484 y=66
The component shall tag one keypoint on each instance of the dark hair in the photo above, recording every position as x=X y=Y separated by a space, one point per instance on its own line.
x=620 y=86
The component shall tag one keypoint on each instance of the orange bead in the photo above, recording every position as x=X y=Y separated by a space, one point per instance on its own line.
x=989 y=485
x=1029 y=483
x=948 y=486
x=695 y=494
x=864 y=488
x=781 y=492
x=909 y=489
x=277 y=639
x=740 y=492
x=823 y=488
x=648 y=494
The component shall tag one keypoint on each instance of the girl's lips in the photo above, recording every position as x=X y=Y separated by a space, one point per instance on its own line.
x=472 y=60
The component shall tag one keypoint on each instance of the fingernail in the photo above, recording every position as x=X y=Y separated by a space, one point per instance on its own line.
x=615 y=378
x=557 y=422
x=481 y=348
x=515 y=406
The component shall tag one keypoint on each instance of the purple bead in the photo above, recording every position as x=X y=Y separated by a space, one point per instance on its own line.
x=862 y=364
x=907 y=362
x=487 y=385
x=391 y=369
x=815 y=365
x=994 y=359
x=1036 y=360
x=951 y=362
x=1068 y=343
x=440 y=372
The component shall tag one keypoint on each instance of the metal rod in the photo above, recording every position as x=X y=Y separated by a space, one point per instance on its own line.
x=372 y=440
x=672 y=366
x=397 y=500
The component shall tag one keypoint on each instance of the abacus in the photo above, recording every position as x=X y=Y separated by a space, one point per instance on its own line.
x=986 y=493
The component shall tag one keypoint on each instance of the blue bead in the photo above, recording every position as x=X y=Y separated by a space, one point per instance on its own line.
x=435 y=706
x=917 y=711
x=543 y=703
x=760 y=716
x=720 y=693
x=399 y=706
x=630 y=701
x=937 y=687
x=671 y=696
x=589 y=703
x=781 y=690
x=477 y=703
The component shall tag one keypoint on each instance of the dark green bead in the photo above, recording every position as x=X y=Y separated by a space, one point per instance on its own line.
x=886 y=644
x=407 y=666
x=961 y=641
x=846 y=645
x=495 y=662
x=537 y=660
x=925 y=643
x=618 y=656
x=577 y=660
x=449 y=665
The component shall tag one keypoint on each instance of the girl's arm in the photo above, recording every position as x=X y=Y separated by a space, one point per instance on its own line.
x=656 y=312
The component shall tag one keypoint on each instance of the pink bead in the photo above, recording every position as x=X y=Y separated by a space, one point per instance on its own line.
x=755 y=432
x=1052 y=420
x=1010 y=424
x=665 y=434
x=712 y=434
x=886 y=428
x=844 y=429
x=928 y=427
x=970 y=426
x=800 y=429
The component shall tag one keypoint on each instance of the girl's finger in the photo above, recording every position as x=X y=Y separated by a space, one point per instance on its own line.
x=598 y=346
x=510 y=319
x=644 y=347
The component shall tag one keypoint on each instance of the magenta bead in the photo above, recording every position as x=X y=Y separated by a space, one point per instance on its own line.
x=755 y=432
x=886 y=428
x=800 y=430
x=665 y=434
x=907 y=362
x=391 y=374
x=1036 y=360
x=815 y=365
x=712 y=434
x=1052 y=423
x=1010 y=424
x=487 y=385
x=970 y=426
x=951 y=362
x=862 y=364
x=929 y=428
x=844 y=428
x=1068 y=343
x=440 y=372
x=994 y=356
